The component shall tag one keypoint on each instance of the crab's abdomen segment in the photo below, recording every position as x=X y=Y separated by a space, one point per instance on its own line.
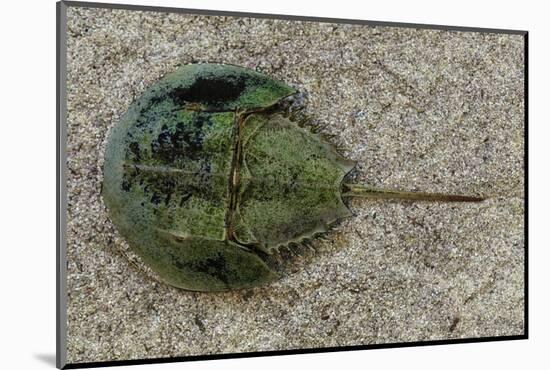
x=290 y=183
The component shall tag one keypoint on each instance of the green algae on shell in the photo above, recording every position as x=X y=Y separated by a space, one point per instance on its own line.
x=205 y=178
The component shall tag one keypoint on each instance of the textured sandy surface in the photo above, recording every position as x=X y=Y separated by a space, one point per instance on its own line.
x=418 y=109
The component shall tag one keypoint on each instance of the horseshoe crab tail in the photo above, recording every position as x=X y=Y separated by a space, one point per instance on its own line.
x=362 y=191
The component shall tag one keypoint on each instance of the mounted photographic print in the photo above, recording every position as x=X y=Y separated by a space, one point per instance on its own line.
x=234 y=184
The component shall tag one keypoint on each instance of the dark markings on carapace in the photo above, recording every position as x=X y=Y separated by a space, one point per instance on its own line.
x=212 y=91
x=173 y=146
x=212 y=266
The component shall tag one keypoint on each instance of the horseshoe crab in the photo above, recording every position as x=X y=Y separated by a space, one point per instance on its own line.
x=206 y=176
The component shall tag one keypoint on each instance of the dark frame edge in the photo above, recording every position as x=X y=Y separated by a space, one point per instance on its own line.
x=163 y=9
x=61 y=199
x=526 y=182
x=304 y=351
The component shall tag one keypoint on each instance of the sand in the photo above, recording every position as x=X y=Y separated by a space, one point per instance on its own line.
x=417 y=109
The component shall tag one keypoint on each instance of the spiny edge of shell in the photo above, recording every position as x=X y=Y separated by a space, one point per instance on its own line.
x=294 y=110
x=284 y=253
